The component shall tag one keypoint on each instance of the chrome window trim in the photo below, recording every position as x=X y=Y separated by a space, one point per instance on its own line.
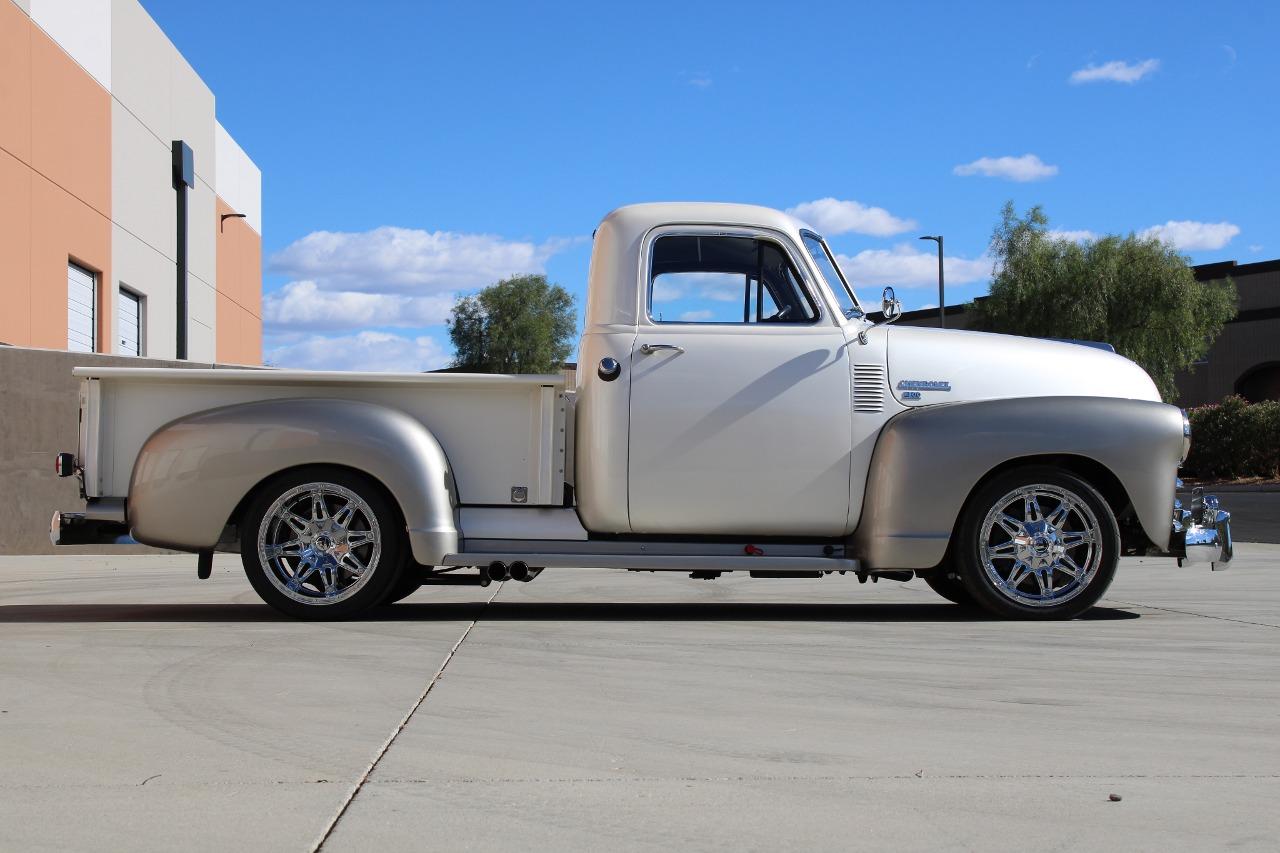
x=808 y=281
x=844 y=282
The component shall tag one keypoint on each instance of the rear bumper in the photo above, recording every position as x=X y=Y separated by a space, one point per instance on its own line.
x=1201 y=534
x=101 y=522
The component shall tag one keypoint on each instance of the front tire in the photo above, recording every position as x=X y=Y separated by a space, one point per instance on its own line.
x=1037 y=543
x=322 y=543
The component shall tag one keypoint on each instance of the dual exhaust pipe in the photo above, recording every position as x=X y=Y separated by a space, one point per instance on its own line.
x=516 y=570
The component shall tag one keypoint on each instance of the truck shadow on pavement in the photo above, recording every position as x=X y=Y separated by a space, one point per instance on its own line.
x=529 y=612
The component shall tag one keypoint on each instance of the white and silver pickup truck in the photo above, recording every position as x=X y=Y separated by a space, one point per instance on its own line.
x=734 y=410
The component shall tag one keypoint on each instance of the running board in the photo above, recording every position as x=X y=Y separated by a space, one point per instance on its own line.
x=660 y=562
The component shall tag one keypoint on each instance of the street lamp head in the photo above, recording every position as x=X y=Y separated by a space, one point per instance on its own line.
x=927 y=237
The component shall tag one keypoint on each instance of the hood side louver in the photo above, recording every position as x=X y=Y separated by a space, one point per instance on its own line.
x=868 y=388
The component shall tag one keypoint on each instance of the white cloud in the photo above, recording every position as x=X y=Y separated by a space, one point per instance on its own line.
x=906 y=266
x=301 y=304
x=700 y=81
x=373 y=351
x=1077 y=236
x=696 y=316
x=1191 y=236
x=833 y=216
x=1255 y=247
x=1028 y=167
x=390 y=259
x=1115 y=71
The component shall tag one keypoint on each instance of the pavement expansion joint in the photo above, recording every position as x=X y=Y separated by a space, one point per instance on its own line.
x=1191 y=613
x=395 y=732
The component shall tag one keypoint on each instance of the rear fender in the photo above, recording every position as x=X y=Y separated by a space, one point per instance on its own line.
x=193 y=472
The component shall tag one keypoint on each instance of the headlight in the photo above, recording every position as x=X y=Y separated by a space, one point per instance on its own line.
x=1186 y=437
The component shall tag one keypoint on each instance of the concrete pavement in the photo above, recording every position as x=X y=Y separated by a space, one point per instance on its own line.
x=589 y=709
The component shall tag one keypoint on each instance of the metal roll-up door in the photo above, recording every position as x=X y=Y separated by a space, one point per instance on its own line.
x=129 y=323
x=82 y=309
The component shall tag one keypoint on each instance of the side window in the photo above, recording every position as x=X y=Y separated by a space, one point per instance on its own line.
x=695 y=279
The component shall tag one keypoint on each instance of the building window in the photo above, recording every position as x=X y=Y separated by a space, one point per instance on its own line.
x=129 y=326
x=82 y=309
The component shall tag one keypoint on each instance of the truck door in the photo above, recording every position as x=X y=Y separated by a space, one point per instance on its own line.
x=740 y=403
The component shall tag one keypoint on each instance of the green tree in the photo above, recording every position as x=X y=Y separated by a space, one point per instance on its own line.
x=1135 y=293
x=521 y=324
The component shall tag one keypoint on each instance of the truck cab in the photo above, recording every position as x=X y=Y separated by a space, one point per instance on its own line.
x=734 y=409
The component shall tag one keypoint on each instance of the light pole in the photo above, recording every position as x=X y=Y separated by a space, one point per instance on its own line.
x=942 y=302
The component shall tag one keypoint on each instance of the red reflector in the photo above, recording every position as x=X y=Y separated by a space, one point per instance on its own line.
x=753 y=551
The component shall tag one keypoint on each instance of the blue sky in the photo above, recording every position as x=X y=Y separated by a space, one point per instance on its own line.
x=414 y=151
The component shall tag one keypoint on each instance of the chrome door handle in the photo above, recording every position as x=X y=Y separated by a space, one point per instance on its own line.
x=650 y=349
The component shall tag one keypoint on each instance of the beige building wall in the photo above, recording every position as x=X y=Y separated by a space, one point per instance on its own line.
x=92 y=93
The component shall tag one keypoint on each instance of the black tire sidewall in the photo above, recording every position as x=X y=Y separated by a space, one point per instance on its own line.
x=952 y=589
x=974 y=577
x=410 y=582
x=386 y=573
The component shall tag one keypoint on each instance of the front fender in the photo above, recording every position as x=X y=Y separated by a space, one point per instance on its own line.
x=928 y=460
x=191 y=473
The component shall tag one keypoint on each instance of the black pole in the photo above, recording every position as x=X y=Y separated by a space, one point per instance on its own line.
x=942 y=299
x=184 y=177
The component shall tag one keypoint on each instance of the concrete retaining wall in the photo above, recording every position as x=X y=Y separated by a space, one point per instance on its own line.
x=39 y=403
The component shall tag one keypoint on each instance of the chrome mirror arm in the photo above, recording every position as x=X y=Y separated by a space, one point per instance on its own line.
x=890 y=307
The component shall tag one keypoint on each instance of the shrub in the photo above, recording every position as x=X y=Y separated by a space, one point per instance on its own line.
x=1234 y=439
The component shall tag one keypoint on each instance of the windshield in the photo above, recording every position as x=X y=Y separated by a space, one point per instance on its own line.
x=817 y=248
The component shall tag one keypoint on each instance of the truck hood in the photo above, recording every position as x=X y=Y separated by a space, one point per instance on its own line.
x=929 y=366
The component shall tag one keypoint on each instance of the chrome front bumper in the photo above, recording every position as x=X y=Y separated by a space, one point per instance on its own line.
x=1201 y=534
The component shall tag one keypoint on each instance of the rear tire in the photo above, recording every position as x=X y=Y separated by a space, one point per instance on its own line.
x=410 y=582
x=322 y=543
x=1037 y=543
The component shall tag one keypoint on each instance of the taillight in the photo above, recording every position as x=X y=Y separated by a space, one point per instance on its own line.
x=65 y=464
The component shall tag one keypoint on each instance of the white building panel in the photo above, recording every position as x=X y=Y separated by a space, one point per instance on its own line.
x=200 y=342
x=140 y=70
x=202 y=231
x=141 y=269
x=202 y=307
x=239 y=181
x=142 y=198
x=83 y=29
x=191 y=114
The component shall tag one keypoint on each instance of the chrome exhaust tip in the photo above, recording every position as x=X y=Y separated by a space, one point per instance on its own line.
x=497 y=571
x=519 y=571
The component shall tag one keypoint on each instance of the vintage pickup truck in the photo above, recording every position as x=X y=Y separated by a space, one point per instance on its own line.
x=734 y=409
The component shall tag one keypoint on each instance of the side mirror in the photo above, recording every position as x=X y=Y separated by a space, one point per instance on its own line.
x=891 y=308
x=890 y=305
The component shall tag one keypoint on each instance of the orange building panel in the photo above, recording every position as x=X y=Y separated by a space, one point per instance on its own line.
x=63 y=228
x=15 y=251
x=70 y=125
x=15 y=82
x=239 y=285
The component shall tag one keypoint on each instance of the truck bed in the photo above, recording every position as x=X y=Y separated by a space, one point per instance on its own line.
x=499 y=431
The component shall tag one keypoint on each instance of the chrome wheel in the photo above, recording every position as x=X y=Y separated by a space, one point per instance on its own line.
x=319 y=543
x=1040 y=545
